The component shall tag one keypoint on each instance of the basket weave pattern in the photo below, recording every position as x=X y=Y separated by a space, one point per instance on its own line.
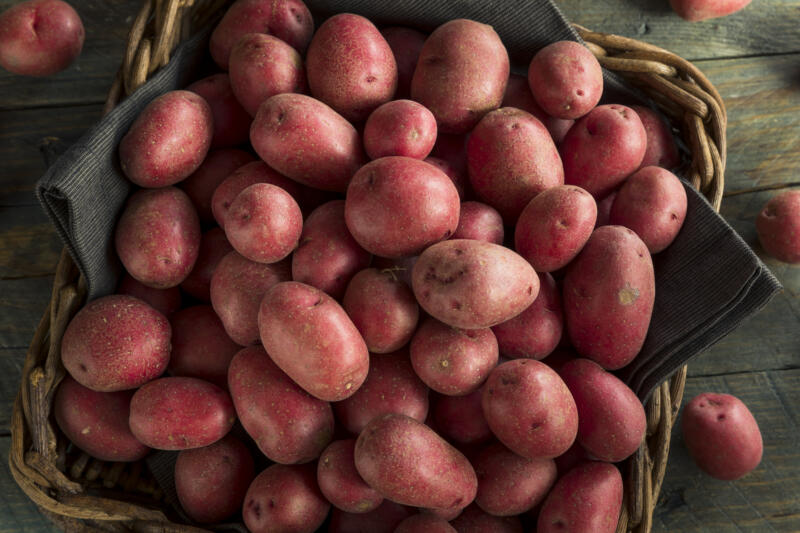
x=80 y=493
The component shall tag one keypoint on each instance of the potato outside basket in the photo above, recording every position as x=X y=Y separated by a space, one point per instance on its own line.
x=80 y=493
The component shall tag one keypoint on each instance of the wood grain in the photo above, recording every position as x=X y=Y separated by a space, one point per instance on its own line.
x=30 y=246
x=22 y=302
x=17 y=513
x=11 y=360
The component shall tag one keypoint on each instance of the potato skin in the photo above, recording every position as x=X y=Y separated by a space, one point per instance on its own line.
x=288 y=20
x=213 y=247
x=340 y=482
x=211 y=482
x=406 y=44
x=778 y=227
x=157 y=237
x=566 y=79
x=611 y=419
x=424 y=523
x=450 y=360
x=535 y=332
x=473 y=284
x=460 y=418
x=307 y=141
x=652 y=202
x=180 y=413
x=285 y=498
x=288 y=425
x=383 y=309
x=397 y=206
x=382 y=520
x=512 y=158
x=697 y=10
x=530 y=409
x=97 y=422
x=475 y=520
x=609 y=290
x=351 y=66
x=200 y=186
x=116 y=343
x=391 y=387
x=231 y=121
x=311 y=338
x=200 y=346
x=722 y=435
x=461 y=74
x=554 y=227
x=661 y=149
x=587 y=498
x=479 y=222
x=518 y=94
x=168 y=140
x=236 y=290
x=603 y=148
x=409 y=463
x=165 y=301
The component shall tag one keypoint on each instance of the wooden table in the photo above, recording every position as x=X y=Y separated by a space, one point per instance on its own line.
x=752 y=57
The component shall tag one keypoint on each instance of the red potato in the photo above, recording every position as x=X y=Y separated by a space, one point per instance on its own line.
x=165 y=301
x=424 y=523
x=460 y=419
x=400 y=127
x=307 y=141
x=180 y=413
x=479 y=222
x=661 y=149
x=288 y=20
x=382 y=520
x=511 y=159
x=611 y=419
x=406 y=44
x=391 y=387
x=535 y=332
x=383 y=309
x=327 y=256
x=587 y=498
x=458 y=177
x=116 y=343
x=566 y=79
x=243 y=177
x=461 y=74
x=157 y=237
x=211 y=482
x=473 y=284
x=450 y=360
x=261 y=66
x=97 y=422
x=231 y=121
x=518 y=94
x=697 y=10
x=508 y=484
x=213 y=247
x=409 y=463
x=350 y=66
x=200 y=346
x=168 y=140
x=236 y=290
x=340 y=482
x=778 y=227
x=652 y=202
x=603 y=148
x=40 y=37
x=530 y=409
x=554 y=227
x=311 y=338
x=264 y=223
x=200 y=186
x=285 y=498
x=474 y=520
x=398 y=206
x=604 y=209
x=288 y=425
x=609 y=291
x=722 y=435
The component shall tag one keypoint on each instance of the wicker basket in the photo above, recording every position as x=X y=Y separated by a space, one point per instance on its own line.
x=80 y=493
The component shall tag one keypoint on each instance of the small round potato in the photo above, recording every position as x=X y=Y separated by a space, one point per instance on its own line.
x=400 y=127
x=406 y=44
x=479 y=222
x=213 y=247
x=200 y=346
x=460 y=418
x=778 y=227
x=231 y=121
x=661 y=148
x=341 y=483
x=200 y=186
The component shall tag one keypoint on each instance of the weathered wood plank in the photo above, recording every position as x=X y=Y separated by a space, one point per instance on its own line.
x=768 y=499
x=17 y=512
x=766 y=27
x=11 y=361
x=89 y=78
x=29 y=246
x=22 y=302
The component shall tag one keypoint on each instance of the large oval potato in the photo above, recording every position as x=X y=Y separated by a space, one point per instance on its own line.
x=288 y=425
x=311 y=338
x=461 y=74
x=340 y=482
x=306 y=140
x=409 y=463
x=609 y=291
x=473 y=284
x=511 y=158
x=351 y=66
